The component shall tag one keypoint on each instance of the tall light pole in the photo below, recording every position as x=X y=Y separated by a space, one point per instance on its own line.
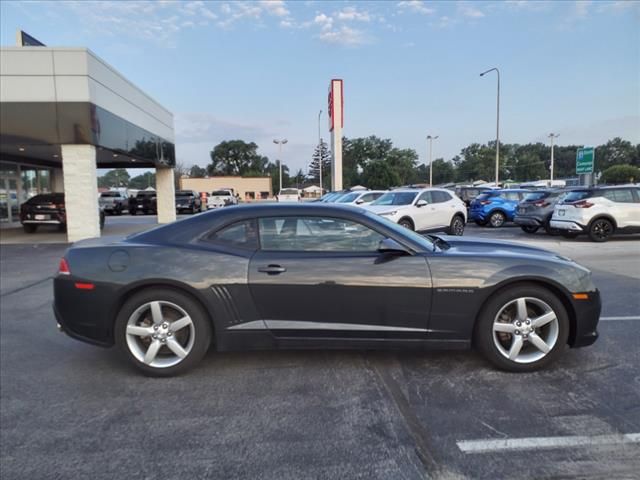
x=497 y=122
x=552 y=136
x=431 y=139
x=320 y=152
x=280 y=143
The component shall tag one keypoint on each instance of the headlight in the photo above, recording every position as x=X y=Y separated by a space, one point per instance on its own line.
x=389 y=214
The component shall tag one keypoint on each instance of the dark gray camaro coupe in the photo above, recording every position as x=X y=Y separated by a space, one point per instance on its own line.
x=319 y=276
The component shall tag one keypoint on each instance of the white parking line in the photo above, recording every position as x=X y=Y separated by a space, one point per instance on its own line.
x=539 y=443
x=611 y=319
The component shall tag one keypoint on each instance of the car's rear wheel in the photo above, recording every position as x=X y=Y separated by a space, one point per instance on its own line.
x=566 y=234
x=163 y=332
x=529 y=228
x=406 y=223
x=29 y=228
x=601 y=230
x=522 y=328
x=457 y=226
x=549 y=229
x=497 y=219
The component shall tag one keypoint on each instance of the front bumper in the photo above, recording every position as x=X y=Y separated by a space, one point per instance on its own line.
x=566 y=225
x=587 y=315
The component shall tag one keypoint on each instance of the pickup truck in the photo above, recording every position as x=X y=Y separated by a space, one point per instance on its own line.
x=144 y=202
x=113 y=202
x=221 y=198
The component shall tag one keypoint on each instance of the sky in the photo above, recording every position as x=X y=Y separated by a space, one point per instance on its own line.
x=257 y=71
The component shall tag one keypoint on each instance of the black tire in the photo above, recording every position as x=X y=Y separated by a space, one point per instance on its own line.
x=119 y=209
x=145 y=212
x=406 y=223
x=202 y=330
x=497 y=219
x=102 y=219
x=554 y=232
x=457 y=226
x=29 y=228
x=132 y=211
x=484 y=334
x=481 y=223
x=567 y=234
x=529 y=228
x=601 y=230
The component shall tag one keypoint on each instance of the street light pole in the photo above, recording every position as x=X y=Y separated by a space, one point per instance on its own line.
x=320 y=152
x=497 y=122
x=431 y=139
x=552 y=136
x=280 y=143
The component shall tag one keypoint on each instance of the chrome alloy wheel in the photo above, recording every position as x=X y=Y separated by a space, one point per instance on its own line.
x=160 y=334
x=457 y=226
x=525 y=330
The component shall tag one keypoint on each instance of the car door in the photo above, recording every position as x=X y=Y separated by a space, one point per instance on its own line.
x=623 y=207
x=324 y=274
x=443 y=208
x=423 y=217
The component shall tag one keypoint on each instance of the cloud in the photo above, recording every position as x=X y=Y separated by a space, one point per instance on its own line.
x=275 y=7
x=352 y=14
x=325 y=22
x=581 y=8
x=468 y=10
x=415 y=6
x=345 y=35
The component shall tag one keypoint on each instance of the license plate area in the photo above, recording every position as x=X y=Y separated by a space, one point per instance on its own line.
x=41 y=217
x=561 y=213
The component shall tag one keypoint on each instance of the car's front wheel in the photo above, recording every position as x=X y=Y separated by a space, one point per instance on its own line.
x=522 y=328
x=163 y=332
x=457 y=226
x=529 y=228
x=406 y=223
x=497 y=219
x=601 y=230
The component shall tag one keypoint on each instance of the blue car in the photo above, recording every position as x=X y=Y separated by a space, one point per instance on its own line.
x=495 y=207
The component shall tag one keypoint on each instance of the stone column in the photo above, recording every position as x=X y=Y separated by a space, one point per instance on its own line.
x=166 y=195
x=80 y=191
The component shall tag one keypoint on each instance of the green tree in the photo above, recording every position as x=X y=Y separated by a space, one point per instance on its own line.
x=615 y=152
x=118 y=177
x=403 y=162
x=235 y=157
x=379 y=174
x=617 y=174
x=140 y=182
x=320 y=154
x=197 y=171
x=443 y=172
x=298 y=179
x=358 y=152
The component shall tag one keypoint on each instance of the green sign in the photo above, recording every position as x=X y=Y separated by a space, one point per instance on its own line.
x=584 y=160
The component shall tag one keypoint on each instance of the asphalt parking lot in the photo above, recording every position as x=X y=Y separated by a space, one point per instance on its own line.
x=70 y=410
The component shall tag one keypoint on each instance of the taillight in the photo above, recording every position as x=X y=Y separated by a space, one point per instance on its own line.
x=63 y=268
x=582 y=204
x=485 y=202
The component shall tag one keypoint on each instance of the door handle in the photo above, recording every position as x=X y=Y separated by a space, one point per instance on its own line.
x=272 y=269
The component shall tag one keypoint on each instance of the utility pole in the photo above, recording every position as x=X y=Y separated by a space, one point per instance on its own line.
x=552 y=136
x=320 y=152
x=431 y=139
x=497 y=122
x=280 y=143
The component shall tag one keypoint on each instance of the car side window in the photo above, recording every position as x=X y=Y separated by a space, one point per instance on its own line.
x=369 y=197
x=426 y=196
x=316 y=234
x=440 y=197
x=622 y=195
x=242 y=234
x=513 y=196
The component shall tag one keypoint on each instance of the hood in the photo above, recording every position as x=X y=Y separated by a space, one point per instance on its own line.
x=477 y=245
x=383 y=208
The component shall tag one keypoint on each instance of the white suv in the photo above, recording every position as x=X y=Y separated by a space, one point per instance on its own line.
x=426 y=209
x=221 y=198
x=598 y=212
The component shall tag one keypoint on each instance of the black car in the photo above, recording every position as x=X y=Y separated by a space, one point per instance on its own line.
x=46 y=209
x=144 y=202
x=189 y=201
x=319 y=276
x=536 y=209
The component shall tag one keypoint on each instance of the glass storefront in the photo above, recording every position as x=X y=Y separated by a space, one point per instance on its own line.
x=18 y=183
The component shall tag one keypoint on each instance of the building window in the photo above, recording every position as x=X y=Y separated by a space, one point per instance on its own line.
x=264 y=195
x=250 y=196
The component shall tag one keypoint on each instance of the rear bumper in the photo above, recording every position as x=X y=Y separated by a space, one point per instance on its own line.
x=527 y=221
x=566 y=225
x=587 y=314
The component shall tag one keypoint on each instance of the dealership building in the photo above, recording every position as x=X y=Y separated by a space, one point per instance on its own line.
x=64 y=113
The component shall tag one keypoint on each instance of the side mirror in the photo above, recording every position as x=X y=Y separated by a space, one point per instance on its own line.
x=359 y=201
x=390 y=246
x=421 y=203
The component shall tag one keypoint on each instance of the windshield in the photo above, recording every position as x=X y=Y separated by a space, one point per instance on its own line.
x=110 y=194
x=425 y=242
x=289 y=191
x=184 y=194
x=349 y=197
x=396 y=198
x=220 y=193
x=146 y=194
